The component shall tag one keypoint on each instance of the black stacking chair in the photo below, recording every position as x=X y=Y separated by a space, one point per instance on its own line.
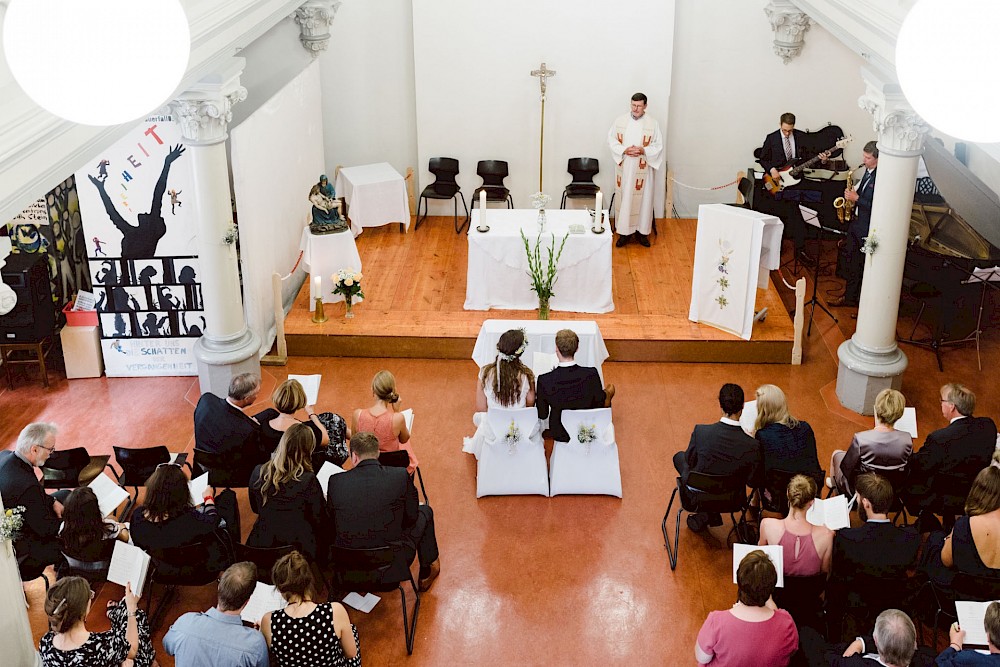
x=63 y=467
x=707 y=493
x=401 y=459
x=263 y=558
x=444 y=187
x=137 y=465
x=583 y=170
x=774 y=495
x=222 y=470
x=367 y=571
x=745 y=186
x=493 y=172
x=178 y=566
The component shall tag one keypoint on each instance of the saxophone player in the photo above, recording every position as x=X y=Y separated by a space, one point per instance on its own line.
x=857 y=230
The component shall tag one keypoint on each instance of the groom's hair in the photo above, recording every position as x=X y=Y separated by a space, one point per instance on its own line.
x=639 y=97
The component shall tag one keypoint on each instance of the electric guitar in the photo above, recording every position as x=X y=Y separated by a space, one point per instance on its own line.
x=791 y=175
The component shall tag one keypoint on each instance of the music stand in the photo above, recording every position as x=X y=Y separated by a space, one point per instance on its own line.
x=812 y=219
x=983 y=276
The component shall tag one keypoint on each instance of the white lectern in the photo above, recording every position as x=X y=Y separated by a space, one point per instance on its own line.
x=734 y=250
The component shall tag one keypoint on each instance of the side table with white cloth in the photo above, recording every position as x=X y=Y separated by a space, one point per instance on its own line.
x=324 y=255
x=375 y=195
x=734 y=250
x=541 y=337
x=498 y=265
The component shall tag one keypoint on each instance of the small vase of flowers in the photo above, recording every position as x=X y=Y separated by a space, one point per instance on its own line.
x=347 y=282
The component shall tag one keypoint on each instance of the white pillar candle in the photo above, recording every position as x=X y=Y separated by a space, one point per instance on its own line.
x=599 y=215
x=317 y=287
x=482 y=208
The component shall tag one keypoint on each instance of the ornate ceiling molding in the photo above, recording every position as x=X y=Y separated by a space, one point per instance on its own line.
x=790 y=26
x=314 y=18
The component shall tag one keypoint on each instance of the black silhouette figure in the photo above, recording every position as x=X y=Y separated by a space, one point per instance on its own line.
x=122 y=300
x=150 y=327
x=146 y=275
x=108 y=274
x=140 y=241
x=166 y=298
x=120 y=331
x=194 y=329
x=101 y=300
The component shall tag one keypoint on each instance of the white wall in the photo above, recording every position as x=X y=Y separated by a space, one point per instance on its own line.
x=476 y=100
x=729 y=90
x=367 y=79
x=277 y=155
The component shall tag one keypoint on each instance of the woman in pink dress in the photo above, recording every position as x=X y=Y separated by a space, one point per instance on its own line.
x=384 y=419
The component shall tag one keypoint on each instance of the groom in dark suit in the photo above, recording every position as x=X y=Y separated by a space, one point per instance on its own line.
x=568 y=387
x=721 y=448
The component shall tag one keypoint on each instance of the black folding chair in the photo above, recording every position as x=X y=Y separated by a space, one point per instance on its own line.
x=774 y=495
x=225 y=471
x=263 y=557
x=401 y=459
x=189 y=565
x=493 y=173
x=583 y=170
x=137 y=465
x=444 y=187
x=708 y=493
x=367 y=571
x=63 y=467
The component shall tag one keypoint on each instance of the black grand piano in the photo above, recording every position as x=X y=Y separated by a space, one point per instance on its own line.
x=954 y=230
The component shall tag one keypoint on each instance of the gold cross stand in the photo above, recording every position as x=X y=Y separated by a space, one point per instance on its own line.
x=542 y=73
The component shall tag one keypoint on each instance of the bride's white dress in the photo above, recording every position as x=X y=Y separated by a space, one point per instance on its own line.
x=474 y=445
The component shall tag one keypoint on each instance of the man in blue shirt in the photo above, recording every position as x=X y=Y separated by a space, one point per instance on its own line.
x=217 y=638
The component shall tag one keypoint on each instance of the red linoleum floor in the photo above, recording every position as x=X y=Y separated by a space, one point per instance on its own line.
x=524 y=580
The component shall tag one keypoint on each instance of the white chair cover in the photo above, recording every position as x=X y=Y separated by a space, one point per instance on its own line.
x=586 y=468
x=512 y=469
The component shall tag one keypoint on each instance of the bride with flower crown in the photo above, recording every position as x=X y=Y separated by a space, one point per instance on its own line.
x=505 y=383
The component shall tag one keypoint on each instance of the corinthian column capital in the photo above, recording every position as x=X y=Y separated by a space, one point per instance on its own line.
x=205 y=110
x=790 y=26
x=900 y=130
x=314 y=18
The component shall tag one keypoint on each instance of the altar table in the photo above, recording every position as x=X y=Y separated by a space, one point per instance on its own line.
x=498 y=265
x=324 y=255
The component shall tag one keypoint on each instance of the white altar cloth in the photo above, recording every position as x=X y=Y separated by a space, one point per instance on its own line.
x=375 y=195
x=498 y=266
x=542 y=338
x=324 y=255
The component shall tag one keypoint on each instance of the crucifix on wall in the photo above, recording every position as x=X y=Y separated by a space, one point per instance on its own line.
x=542 y=73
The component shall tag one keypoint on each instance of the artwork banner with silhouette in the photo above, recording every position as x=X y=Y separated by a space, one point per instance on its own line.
x=142 y=251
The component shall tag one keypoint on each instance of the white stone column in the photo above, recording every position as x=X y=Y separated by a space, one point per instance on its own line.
x=227 y=347
x=15 y=630
x=871 y=361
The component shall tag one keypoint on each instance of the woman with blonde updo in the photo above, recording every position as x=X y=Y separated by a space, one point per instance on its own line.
x=68 y=641
x=880 y=450
x=505 y=383
x=787 y=443
x=289 y=397
x=807 y=549
x=384 y=419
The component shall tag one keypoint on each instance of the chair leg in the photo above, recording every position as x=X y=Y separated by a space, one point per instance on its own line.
x=423 y=492
x=468 y=218
x=410 y=628
x=510 y=201
x=562 y=204
x=672 y=551
x=416 y=223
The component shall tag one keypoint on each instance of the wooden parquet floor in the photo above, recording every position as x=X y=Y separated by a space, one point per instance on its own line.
x=414 y=287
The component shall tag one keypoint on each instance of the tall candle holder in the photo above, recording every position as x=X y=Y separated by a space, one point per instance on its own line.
x=318 y=315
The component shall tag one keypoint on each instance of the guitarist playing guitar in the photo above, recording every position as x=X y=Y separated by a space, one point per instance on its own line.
x=779 y=154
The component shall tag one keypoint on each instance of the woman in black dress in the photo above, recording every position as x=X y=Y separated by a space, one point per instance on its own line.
x=787 y=443
x=287 y=497
x=87 y=536
x=330 y=429
x=69 y=643
x=168 y=518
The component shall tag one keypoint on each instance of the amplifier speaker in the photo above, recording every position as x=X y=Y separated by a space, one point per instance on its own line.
x=33 y=317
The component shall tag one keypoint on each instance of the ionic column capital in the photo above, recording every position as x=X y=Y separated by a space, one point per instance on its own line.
x=205 y=110
x=790 y=26
x=900 y=130
x=314 y=18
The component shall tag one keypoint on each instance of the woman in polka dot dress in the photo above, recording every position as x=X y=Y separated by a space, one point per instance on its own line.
x=306 y=634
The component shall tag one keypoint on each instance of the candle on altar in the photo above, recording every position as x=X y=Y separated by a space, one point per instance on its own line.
x=599 y=213
x=317 y=287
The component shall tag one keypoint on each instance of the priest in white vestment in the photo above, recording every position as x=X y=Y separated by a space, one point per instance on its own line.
x=637 y=145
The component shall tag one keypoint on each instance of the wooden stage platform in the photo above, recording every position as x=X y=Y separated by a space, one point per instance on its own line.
x=414 y=288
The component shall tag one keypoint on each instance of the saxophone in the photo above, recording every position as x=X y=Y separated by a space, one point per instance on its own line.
x=844 y=206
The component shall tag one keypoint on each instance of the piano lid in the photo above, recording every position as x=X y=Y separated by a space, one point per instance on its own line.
x=972 y=199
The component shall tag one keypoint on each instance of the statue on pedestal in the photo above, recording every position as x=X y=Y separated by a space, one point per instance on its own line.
x=326 y=217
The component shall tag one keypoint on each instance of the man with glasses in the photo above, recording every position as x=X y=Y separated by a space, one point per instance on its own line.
x=37 y=544
x=959 y=450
